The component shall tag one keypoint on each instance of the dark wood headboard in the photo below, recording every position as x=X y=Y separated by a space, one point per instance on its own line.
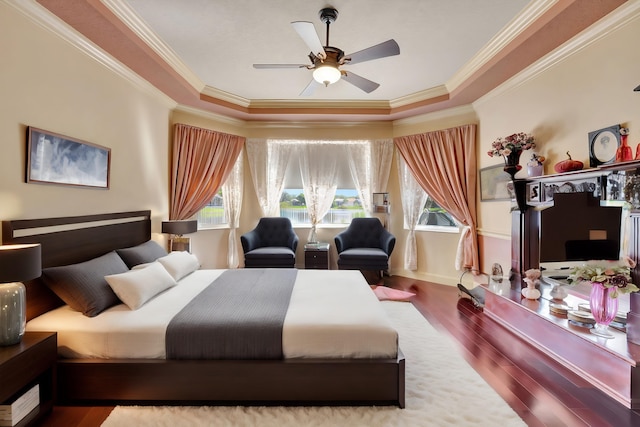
x=69 y=240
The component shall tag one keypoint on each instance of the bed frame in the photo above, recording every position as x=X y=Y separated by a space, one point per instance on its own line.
x=75 y=239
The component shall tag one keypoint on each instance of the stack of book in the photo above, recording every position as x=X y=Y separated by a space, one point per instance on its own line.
x=12 y=414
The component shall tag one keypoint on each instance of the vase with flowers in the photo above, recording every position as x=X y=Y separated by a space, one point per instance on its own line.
x=510 y=148
x=608 y=280
x=535 y=166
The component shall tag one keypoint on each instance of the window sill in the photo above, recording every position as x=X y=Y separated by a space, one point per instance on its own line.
x=438 y=229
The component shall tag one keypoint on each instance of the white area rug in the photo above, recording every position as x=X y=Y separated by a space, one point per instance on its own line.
x=441 y=390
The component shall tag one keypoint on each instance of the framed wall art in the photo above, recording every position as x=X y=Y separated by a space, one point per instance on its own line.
x=493 y=184
x=59 y=159
x=603 y=145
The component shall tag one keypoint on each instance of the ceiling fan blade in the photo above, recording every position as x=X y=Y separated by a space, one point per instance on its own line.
x=382 y=50
x=310 y=89
x=308 y=33
x=266 y=66
x=360 y=82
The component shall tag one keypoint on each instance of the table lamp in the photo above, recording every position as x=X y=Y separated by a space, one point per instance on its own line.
x=177 y=229
x=18 y=263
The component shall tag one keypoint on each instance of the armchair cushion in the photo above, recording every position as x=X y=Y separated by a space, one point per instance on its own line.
x=272 y=243
x=364 y=245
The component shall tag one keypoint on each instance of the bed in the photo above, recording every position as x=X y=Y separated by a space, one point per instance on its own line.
x=147 y=377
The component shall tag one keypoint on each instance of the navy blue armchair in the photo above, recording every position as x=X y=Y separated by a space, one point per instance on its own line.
x=272 y=244
x=364 y=245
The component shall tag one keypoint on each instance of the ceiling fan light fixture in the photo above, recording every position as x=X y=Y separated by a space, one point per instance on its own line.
x=326 y=74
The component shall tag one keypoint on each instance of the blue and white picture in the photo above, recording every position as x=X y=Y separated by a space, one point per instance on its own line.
x=58 y=159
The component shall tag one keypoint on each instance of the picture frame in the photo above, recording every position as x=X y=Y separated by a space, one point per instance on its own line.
x=493 y=184
x=58 y=159
x=603 y=144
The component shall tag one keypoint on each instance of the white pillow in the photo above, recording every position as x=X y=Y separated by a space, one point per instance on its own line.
x=179 y=264
x=135 y=287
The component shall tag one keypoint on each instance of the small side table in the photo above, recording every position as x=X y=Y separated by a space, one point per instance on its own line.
x=23 y=365
x=316 y=256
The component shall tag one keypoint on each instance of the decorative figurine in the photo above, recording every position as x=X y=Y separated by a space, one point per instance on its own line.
x=532 y=279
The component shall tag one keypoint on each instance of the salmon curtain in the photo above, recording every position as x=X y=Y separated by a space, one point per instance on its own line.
x=444 y=164
x=202 y=160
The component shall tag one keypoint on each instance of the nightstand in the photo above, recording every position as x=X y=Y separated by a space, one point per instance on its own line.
x=23 y=365
x=316 y=256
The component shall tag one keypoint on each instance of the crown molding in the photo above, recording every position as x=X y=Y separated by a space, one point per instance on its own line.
x=384 y=125
x=41 y=16
x=210 y=116
x=515 y=27
x=323 y=104
x=460 y=111
x=226 y=96
x=417 y=97
x=620 y=17
x=128 y=16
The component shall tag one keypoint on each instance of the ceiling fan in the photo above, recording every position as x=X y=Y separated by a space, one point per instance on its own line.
x=327 y=60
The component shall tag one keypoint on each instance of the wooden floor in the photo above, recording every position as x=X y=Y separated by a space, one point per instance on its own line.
x=538 y=388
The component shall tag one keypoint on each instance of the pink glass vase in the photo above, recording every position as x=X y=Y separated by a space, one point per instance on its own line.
x=603 y=308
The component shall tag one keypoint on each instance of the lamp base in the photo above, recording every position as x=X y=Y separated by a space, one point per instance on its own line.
x=13 y=313
x=180 y=244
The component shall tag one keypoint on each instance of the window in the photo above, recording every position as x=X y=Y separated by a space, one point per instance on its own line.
x=216 y=212
x=346 y=206
x=434 y=215
x=212 y=214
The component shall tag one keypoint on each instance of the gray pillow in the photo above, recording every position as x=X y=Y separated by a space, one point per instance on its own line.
x=83 y=286
x=143 y=253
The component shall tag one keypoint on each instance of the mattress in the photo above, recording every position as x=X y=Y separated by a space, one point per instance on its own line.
x=332 y=314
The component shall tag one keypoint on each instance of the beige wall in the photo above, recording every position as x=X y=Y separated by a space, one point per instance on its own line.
x=560 y=103
x=48 y=84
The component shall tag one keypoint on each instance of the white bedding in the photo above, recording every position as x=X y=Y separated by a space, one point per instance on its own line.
x=332 y=313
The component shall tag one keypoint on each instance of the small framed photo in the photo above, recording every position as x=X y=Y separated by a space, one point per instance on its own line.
x=493 y=184
x=59 y=159
x=603 y=145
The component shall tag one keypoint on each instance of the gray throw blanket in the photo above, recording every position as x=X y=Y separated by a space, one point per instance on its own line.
x=238 y=316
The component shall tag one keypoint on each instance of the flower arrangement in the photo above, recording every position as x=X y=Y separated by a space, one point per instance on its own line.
x=610 y=275
x=536 y=160
x=516 y=142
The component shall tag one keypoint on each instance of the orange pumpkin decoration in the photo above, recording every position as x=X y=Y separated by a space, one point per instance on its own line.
x=568 y=165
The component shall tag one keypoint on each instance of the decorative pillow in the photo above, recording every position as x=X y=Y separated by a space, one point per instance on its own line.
x=82 y=286
x=148 y=251
x=179 y=264
x=136 y=287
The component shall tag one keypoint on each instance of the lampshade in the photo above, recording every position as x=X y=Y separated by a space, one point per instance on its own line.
x=326 y=74
x=19 y=263
x=180 y=227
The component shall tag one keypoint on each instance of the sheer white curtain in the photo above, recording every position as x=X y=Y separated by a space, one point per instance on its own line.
x=370 y=165
x=268 y=162
x=232 y=190
x=319 y=170
x=413 y=200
